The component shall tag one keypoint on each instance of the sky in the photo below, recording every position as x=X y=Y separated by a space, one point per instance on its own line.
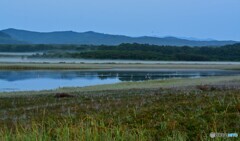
x=203 y=19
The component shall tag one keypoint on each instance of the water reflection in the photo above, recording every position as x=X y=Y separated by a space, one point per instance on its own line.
x=42 y=80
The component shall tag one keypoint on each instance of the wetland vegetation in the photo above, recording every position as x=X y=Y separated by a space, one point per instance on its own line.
x=118 y=66
x=176 y=109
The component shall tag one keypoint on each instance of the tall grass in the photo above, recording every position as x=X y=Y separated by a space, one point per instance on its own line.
x=174 y=114
x=88 y=129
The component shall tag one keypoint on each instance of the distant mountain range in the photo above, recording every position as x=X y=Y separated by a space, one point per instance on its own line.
x=15 y=36
x=7 y=39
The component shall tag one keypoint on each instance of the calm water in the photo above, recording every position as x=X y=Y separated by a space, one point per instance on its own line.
x=44 y=80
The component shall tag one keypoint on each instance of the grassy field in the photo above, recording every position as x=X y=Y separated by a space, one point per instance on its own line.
x=176 y=109
x=84 y=66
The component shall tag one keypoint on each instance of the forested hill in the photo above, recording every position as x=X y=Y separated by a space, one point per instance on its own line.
x=7 y=39
x=94 y=38
x=164 y=53
x=132 y=52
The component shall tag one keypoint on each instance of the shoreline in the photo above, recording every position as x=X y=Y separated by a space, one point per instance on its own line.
x=116 y=66
x=150 y=84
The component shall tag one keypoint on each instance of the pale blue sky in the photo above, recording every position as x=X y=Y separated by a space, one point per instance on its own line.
x=218 y=19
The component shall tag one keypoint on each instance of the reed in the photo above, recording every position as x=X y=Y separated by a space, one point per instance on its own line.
x=189 y=112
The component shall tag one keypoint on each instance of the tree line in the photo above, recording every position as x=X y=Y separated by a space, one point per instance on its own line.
x=167 y=53
x=132 y=52
x=41 y=47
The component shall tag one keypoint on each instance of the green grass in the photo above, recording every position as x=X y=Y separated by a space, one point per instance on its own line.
x=63 y=130
x=84 y=66
x=177 y=109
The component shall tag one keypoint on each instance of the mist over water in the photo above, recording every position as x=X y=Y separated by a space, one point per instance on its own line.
x=25 y=59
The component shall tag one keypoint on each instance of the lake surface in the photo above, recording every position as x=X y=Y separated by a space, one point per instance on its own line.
x=45 y=80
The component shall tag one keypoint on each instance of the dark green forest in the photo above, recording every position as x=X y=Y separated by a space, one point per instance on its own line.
x=41 y=48
x=166 y=53
x=132 y=52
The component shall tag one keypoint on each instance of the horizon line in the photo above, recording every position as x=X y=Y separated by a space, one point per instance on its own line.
x=152 y=36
